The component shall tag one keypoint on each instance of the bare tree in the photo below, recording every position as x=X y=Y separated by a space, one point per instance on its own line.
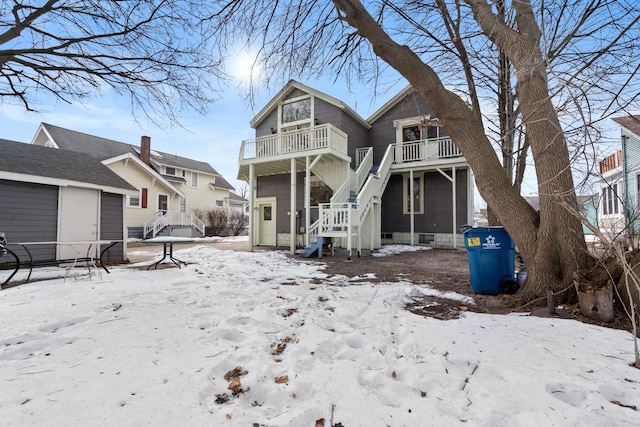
x=156 y=52
x=563 y=56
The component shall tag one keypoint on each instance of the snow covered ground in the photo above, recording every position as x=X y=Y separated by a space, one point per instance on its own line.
x=139 y=347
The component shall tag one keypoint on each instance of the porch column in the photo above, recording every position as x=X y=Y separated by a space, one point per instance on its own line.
x=411 y=205
x=292 y=211
x=252 y=199
x=307 y=202
x=454 y=206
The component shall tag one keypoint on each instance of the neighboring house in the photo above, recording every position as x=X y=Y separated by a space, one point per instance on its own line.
x=611 y=219
x=317 y=171
x=236 y=203
x=589 y=211
x=169 y=187
x=630 y=170
x=50 y=195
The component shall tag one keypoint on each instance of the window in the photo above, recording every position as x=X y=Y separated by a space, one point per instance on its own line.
x=296 y=111
x=410 y=133
x=610 y=202
x=135 y=201
x=183 y=204
x=194 y=179
x=417 y=195
x=266 y=213
x=220 y=203
x=169 y=171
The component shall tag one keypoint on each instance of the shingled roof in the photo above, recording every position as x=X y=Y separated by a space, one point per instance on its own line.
x=630 y=123
x=35 y=160
x=103 y=148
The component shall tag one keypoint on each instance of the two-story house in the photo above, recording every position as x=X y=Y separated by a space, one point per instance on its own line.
x=170 y=187
x=317 y=171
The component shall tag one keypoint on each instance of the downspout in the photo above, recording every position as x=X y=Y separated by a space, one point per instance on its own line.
x=411 y=205
x=627 y=194
x=292 y=211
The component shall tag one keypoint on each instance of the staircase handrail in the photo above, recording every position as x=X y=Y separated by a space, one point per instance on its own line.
x=342 y=194
x=375 y=185
x=197 y=223
x=149 y=225
x=363 y=170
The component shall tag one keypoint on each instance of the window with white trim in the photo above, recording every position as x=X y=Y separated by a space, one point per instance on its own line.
x=169 y=170
x=417 y=195
x=296 y=111
x=194 y=179
x=135 y=201
x=610 y=200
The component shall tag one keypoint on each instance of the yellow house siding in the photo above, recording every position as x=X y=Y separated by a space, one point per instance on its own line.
x=139 y=178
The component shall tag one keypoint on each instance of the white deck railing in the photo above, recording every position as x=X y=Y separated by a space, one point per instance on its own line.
x=298 y=141
x=426 y=149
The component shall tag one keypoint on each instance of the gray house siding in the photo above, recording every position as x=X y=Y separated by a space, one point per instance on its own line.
x=111 y=221
x=271 y=121
x=29 y=214
x=383 y=132
x=278 y=186
x=437 y=217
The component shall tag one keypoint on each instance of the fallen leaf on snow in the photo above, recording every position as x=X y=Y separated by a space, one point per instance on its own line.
x=282 y=379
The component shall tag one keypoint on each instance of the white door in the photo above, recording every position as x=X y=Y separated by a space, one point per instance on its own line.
x=267 y=223
x=163 y=203
x=78 y=220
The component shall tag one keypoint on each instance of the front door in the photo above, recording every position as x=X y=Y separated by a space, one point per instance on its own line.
x=267 y=223
x=163 y=203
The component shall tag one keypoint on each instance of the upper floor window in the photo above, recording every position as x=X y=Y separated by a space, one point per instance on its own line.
x=194 y=179
x=610 y=202
x=296 y=111
x=169 y=170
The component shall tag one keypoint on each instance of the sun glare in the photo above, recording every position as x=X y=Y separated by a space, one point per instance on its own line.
x=244 y=67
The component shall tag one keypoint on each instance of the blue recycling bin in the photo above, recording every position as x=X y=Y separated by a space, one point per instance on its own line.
x=491 y=260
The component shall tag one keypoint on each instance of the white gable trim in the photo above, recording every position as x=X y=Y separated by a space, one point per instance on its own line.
x=155 y=176
x=43 y=130
x=288 y=88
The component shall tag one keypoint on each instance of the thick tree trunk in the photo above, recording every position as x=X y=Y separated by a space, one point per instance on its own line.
x=551 y=242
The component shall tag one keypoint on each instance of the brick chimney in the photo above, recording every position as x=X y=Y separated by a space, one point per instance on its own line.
x=145 y=150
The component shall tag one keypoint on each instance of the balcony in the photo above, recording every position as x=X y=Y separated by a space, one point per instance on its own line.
x=426 y=150
x=297 y=143
x=272 y=154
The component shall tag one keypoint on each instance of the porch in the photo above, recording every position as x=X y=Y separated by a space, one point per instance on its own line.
x=272 y=154
x=181 y=224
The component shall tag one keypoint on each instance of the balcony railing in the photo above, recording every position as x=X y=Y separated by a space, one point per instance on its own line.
x=298 y=141
x=424 y=150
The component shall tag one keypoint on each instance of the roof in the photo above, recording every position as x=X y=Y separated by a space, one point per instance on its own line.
x=289 y=87
x=233 y=196
x=27 y=161
x=390 y=103
x=630 y=123
x=103 y=148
